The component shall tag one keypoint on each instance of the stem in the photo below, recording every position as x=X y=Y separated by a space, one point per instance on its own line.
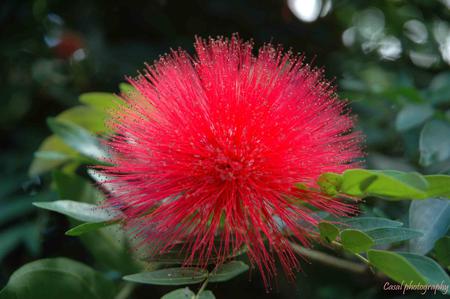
x=330 y=260
x=125 y=291
x=202 y=288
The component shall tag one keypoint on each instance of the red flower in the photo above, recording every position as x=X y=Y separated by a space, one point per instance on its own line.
x=209 y=148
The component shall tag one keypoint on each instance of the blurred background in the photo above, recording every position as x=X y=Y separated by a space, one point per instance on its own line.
x=389 y=57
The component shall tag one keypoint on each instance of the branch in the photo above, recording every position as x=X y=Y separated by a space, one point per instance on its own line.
x=330 y=260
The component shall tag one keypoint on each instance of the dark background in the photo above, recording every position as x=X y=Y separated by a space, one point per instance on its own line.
x=383 y=55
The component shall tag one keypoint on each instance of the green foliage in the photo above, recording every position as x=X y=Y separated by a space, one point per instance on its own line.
x=405 y=267
x=52 y=153
x=412 y=116
x=428 y=268
x=392 y=234
x=356 y=241
x=170 y=276
x=328 y=231
x=388 y=184
x=79 y=139
x=87 y=227
x=50 y=278
x=432 y=217
x=101 y=101
x=395 y=266
x=434 y=143
x=370 y=223
x=79 y=210
x=183 y=276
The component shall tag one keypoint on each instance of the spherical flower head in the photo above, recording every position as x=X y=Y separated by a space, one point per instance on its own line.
x=208 y=150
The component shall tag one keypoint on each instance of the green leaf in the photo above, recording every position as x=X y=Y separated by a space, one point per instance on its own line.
x=52 y=153
x=170 y=276
x=87 y=227
x=110 y=248
x=328 y=231
x=228 y=271
x=126 y=88
x=432 y=217
x=428 y=268
x=102 y=101
x=330 y=183
x=369 y=223
x=356 y=241
x=87 y=117
x=184 y=293
x=78 y=138
x=438 y=185
x=392 y=234
x=387 y=183
x=442 y=251
x=110 y=245
x=395 y=266
x=439 y=89
x=413 y=115
x=79 y=210
x=56 y=278
x=434 y=143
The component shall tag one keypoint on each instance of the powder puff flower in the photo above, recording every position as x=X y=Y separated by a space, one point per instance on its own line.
x=208 y=150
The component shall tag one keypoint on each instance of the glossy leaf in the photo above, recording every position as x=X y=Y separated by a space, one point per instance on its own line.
x=328 y=231
x=170 y=276
x=434 y=143
x=57 y=277
x=369 y=223
x=395 y=266
x=432 y=217
x=438 y=185
x=356 y=241
x=388 y=183
x=428 y=268
x=228 y=271
x=78 y=138
x=78 y=210
x=412 y=116
x=392 y=234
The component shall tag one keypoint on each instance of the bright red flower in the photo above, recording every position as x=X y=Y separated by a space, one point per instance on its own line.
x=209 y=148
